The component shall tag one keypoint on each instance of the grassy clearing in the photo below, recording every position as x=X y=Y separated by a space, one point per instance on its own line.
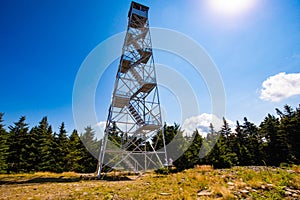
x=200 y=183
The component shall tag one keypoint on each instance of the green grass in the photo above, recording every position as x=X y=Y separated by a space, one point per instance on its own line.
x=183 y=185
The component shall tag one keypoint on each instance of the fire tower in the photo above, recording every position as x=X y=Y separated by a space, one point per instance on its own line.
x=133 y=138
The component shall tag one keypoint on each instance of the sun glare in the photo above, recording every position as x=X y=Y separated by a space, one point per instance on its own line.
x=231 y=7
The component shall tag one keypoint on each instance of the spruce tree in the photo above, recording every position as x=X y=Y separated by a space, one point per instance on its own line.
x=45 y=146
x=296 y=136
x=230 y=156
x=290 y=128
x=17 y=158
x=33 y=154
x=3 y=146
x=222 y=155
x=75 y=157
x=169 y=133
x=91 y=150
x=276 y=142
x=62 y=149
x=190 y=157
x=240 y=147
x=208 y=144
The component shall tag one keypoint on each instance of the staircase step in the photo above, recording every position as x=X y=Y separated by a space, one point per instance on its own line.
x=136 y=75
x=133 y=38
x=135 y=114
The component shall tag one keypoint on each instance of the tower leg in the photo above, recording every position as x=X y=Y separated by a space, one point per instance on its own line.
x=101 y=156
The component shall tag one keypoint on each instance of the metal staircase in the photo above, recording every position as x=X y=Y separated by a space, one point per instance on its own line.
x=135 y=114
x=136 y=76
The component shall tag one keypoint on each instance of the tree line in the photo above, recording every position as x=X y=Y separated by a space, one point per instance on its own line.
x=40 y=149
x=275 y=141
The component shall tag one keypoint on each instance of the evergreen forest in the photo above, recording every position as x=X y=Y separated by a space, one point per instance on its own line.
x=274 y=142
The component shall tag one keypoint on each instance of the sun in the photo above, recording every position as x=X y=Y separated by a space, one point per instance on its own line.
x=231 y=7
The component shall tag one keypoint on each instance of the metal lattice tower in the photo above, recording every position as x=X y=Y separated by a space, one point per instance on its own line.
x=134 y=120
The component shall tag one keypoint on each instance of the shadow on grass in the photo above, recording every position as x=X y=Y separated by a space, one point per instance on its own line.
x=61 y=179
x=41 y=180
x=115 y=178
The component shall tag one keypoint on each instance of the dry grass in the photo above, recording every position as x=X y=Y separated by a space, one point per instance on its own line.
x=184 y=185
x=205 y=168
x=296 y=168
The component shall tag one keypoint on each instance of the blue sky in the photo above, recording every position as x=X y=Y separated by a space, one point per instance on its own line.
x=43 y=44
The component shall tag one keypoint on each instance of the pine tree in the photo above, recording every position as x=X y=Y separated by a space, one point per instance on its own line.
x=296 y=136
x=240 y=147
x=253 y=144
x=75 y=157
x=63 y=149
x=225 y=129
x=178 y=145
x=169 y=133
x=3 y=146
x=45 y=159
x=222 y=155
x=17 y=158
x=90 y=141
x=276 y=148
x=290 y=128
x=217 y=156
x=190 y=157
x=207 y=144
x=33 y=154
x=91 y=150
x=230 y=156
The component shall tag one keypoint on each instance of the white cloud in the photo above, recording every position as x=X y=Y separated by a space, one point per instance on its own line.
x=100 y=127
x=280 y=86
x=101 y=124
x=202 y=122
